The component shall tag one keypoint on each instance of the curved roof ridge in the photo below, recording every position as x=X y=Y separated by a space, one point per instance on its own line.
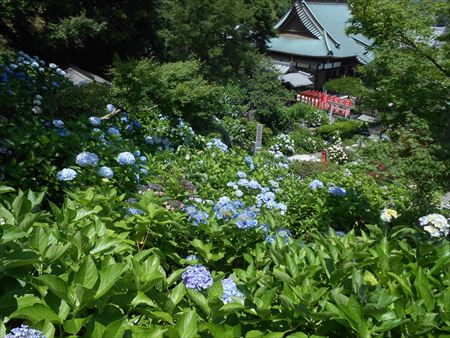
x=283 y=18
x=305 y=18
x=317 y=23
x=360 y=41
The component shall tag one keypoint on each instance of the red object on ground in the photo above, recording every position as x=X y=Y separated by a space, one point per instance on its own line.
x=324 y=156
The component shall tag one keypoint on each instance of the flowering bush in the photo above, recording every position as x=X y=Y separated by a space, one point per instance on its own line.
x=148 y=229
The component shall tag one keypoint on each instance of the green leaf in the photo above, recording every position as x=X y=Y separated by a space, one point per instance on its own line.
x=200 y=300
x=56 y=285
x=36 y=313
x=390 y=324
x=423 y=288
x=116 y=329
x=142 y=298
x=87 y=273
x=73 y=326
x=187 y=324
x=254 y=334
x=4 y=189
x=177 y=294
x=108 y=277
x=215 y=291
x=20 y=258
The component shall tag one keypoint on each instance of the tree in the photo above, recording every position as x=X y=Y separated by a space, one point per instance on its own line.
x=225 y=35
x=85 y=32
x=409 y=70
x=175 y=89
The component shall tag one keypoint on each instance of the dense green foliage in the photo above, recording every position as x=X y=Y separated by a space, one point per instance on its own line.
x=124 y=214
x=409 y=70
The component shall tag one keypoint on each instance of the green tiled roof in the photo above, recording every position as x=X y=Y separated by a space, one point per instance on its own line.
x=327 y=22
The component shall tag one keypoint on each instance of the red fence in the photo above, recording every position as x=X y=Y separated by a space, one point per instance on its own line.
x=327 y=102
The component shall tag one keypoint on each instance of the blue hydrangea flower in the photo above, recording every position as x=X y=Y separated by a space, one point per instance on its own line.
x=249 y=162
x=13 y=66
x=113 y=131
x=35 y=64
x=66 y=174
x=53 y=66
x=265 y=198
x=129 y=127
x=95 y=121
x=136 y=124
x=216 y=143
x=24 y=331
x=58 y=123
x=135 y=211
x=105 y=172
x=110 y=107
x=254 y=185
x=239 y=193
x=124 y=117
x=191 y=258
x=337 y=191
x=197 y=277
x=230 y=290
x=62 y=132
x=340 y=233
x=243 y=182
x=232 y=185
x=149 y=140
x=226 y=209
x=285 y=234
x=241 y=174
x=126 y=158
x=87 y=159
x=246 y=219
x=316 y=184
x=196 y=215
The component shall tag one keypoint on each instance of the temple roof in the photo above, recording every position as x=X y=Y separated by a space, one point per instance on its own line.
x=317 y=29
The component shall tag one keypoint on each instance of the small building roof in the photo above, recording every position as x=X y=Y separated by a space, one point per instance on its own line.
x=299 y=79
x=79 y=77
x=318 y=29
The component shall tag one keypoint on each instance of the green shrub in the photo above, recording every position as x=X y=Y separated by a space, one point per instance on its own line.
x=342 y=128
x=305 y=141
x=306 y=169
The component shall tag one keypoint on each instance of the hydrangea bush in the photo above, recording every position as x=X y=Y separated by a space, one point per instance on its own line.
x=139 y=227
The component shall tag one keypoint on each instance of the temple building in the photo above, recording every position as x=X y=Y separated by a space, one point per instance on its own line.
x=312 y=38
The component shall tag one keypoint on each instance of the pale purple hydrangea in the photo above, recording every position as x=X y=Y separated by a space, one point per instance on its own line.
x=197 y=277
x=230 y=290
x=24 y=331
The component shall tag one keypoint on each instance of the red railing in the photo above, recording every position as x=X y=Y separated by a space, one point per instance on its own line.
x=326 y=102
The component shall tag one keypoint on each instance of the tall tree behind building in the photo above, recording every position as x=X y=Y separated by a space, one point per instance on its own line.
x=225 y=35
